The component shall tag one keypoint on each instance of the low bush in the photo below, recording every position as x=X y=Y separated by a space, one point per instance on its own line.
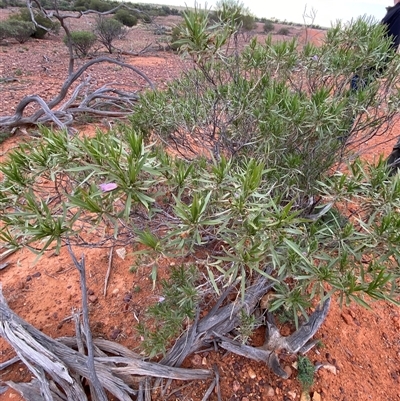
x=107 y=30
x=126 y=17
x=50 y=25
x=21 y=31
x=82 y=42
x=283 y=31
x=268 y=26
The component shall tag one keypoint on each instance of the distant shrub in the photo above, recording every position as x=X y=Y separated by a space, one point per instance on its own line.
x=50 y=25
x=4 y=30
x=268 y=26
x=100 y=5
x=82 y=42
x=126 y=17
x=21 y=31
x=248 y=22
x=175 y=36
x=107 y=30
x=283 y=31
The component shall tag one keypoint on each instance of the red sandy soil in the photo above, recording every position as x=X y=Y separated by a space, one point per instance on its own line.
x=362 y=346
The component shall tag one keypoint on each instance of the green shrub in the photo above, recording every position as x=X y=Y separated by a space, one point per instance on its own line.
x=107 y=30
x=99 y=5
x=126 y=17
x=268 y=26
x=50 y=25
x=248 y=22
x=82 y=42
x=283 y=31
x=4 y=30
x=21 y=31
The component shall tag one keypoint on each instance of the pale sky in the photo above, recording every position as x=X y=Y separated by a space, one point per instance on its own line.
x=327 y=11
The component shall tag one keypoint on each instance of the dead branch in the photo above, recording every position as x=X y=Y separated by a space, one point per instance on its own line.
x=61 y=363
x=299 y=341
x=66 y=111
x=98 y=392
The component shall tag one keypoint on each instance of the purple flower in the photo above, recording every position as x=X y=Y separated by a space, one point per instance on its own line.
x=107 y=187
x=315 y=58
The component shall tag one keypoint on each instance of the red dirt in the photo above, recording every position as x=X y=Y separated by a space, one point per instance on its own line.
x=363 y=346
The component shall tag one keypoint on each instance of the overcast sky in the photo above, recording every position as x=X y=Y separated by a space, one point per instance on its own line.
x=293 y=10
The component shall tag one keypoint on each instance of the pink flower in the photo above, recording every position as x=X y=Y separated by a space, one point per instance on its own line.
x=107 y=187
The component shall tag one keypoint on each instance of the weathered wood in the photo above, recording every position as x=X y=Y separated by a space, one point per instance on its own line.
x=97 y=391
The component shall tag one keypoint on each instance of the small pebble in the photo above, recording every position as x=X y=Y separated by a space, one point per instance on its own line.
x=270 y=391
x=251 y=373
x=115 y=333
x=90 y=292
x=288 y=370
x=92 y=298
x=127 y=297
x=36 y=274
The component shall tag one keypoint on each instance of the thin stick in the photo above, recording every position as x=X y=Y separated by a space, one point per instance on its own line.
x=110 y=259
x=99 y=392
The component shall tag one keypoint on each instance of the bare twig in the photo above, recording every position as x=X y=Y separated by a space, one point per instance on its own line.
x=99 y=392
x=110 y=259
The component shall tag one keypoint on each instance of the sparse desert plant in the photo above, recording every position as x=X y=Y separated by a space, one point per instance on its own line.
x=107 y=30
x=268 y=26
x=305 y=372
x=49 y=25
x=21 y=31
x=283 y=31
x=177 y=304
x=4 y=30
x=126 y=17
x=81 y=41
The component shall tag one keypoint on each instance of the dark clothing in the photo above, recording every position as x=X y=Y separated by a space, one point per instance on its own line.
x=392 y=22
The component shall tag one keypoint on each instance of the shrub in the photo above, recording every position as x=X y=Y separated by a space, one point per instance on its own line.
x=40 y=33
x=82 y=42
x=107 y=30
x=126 y=17
x=283 y=31
x=4 y=30
x=21 y=31
x=100 y=5
x=268 y=26
x=248 y=22
x=175 y=36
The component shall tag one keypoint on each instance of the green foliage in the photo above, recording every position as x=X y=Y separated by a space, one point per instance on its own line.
x=306 y=370
x=107 y=30
x=21 y=31
x=81 y=41
x=169 y=314
x=126 y=17
x=268 y=26
x=101 y=6
x=248 y=22
x=43 y=24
